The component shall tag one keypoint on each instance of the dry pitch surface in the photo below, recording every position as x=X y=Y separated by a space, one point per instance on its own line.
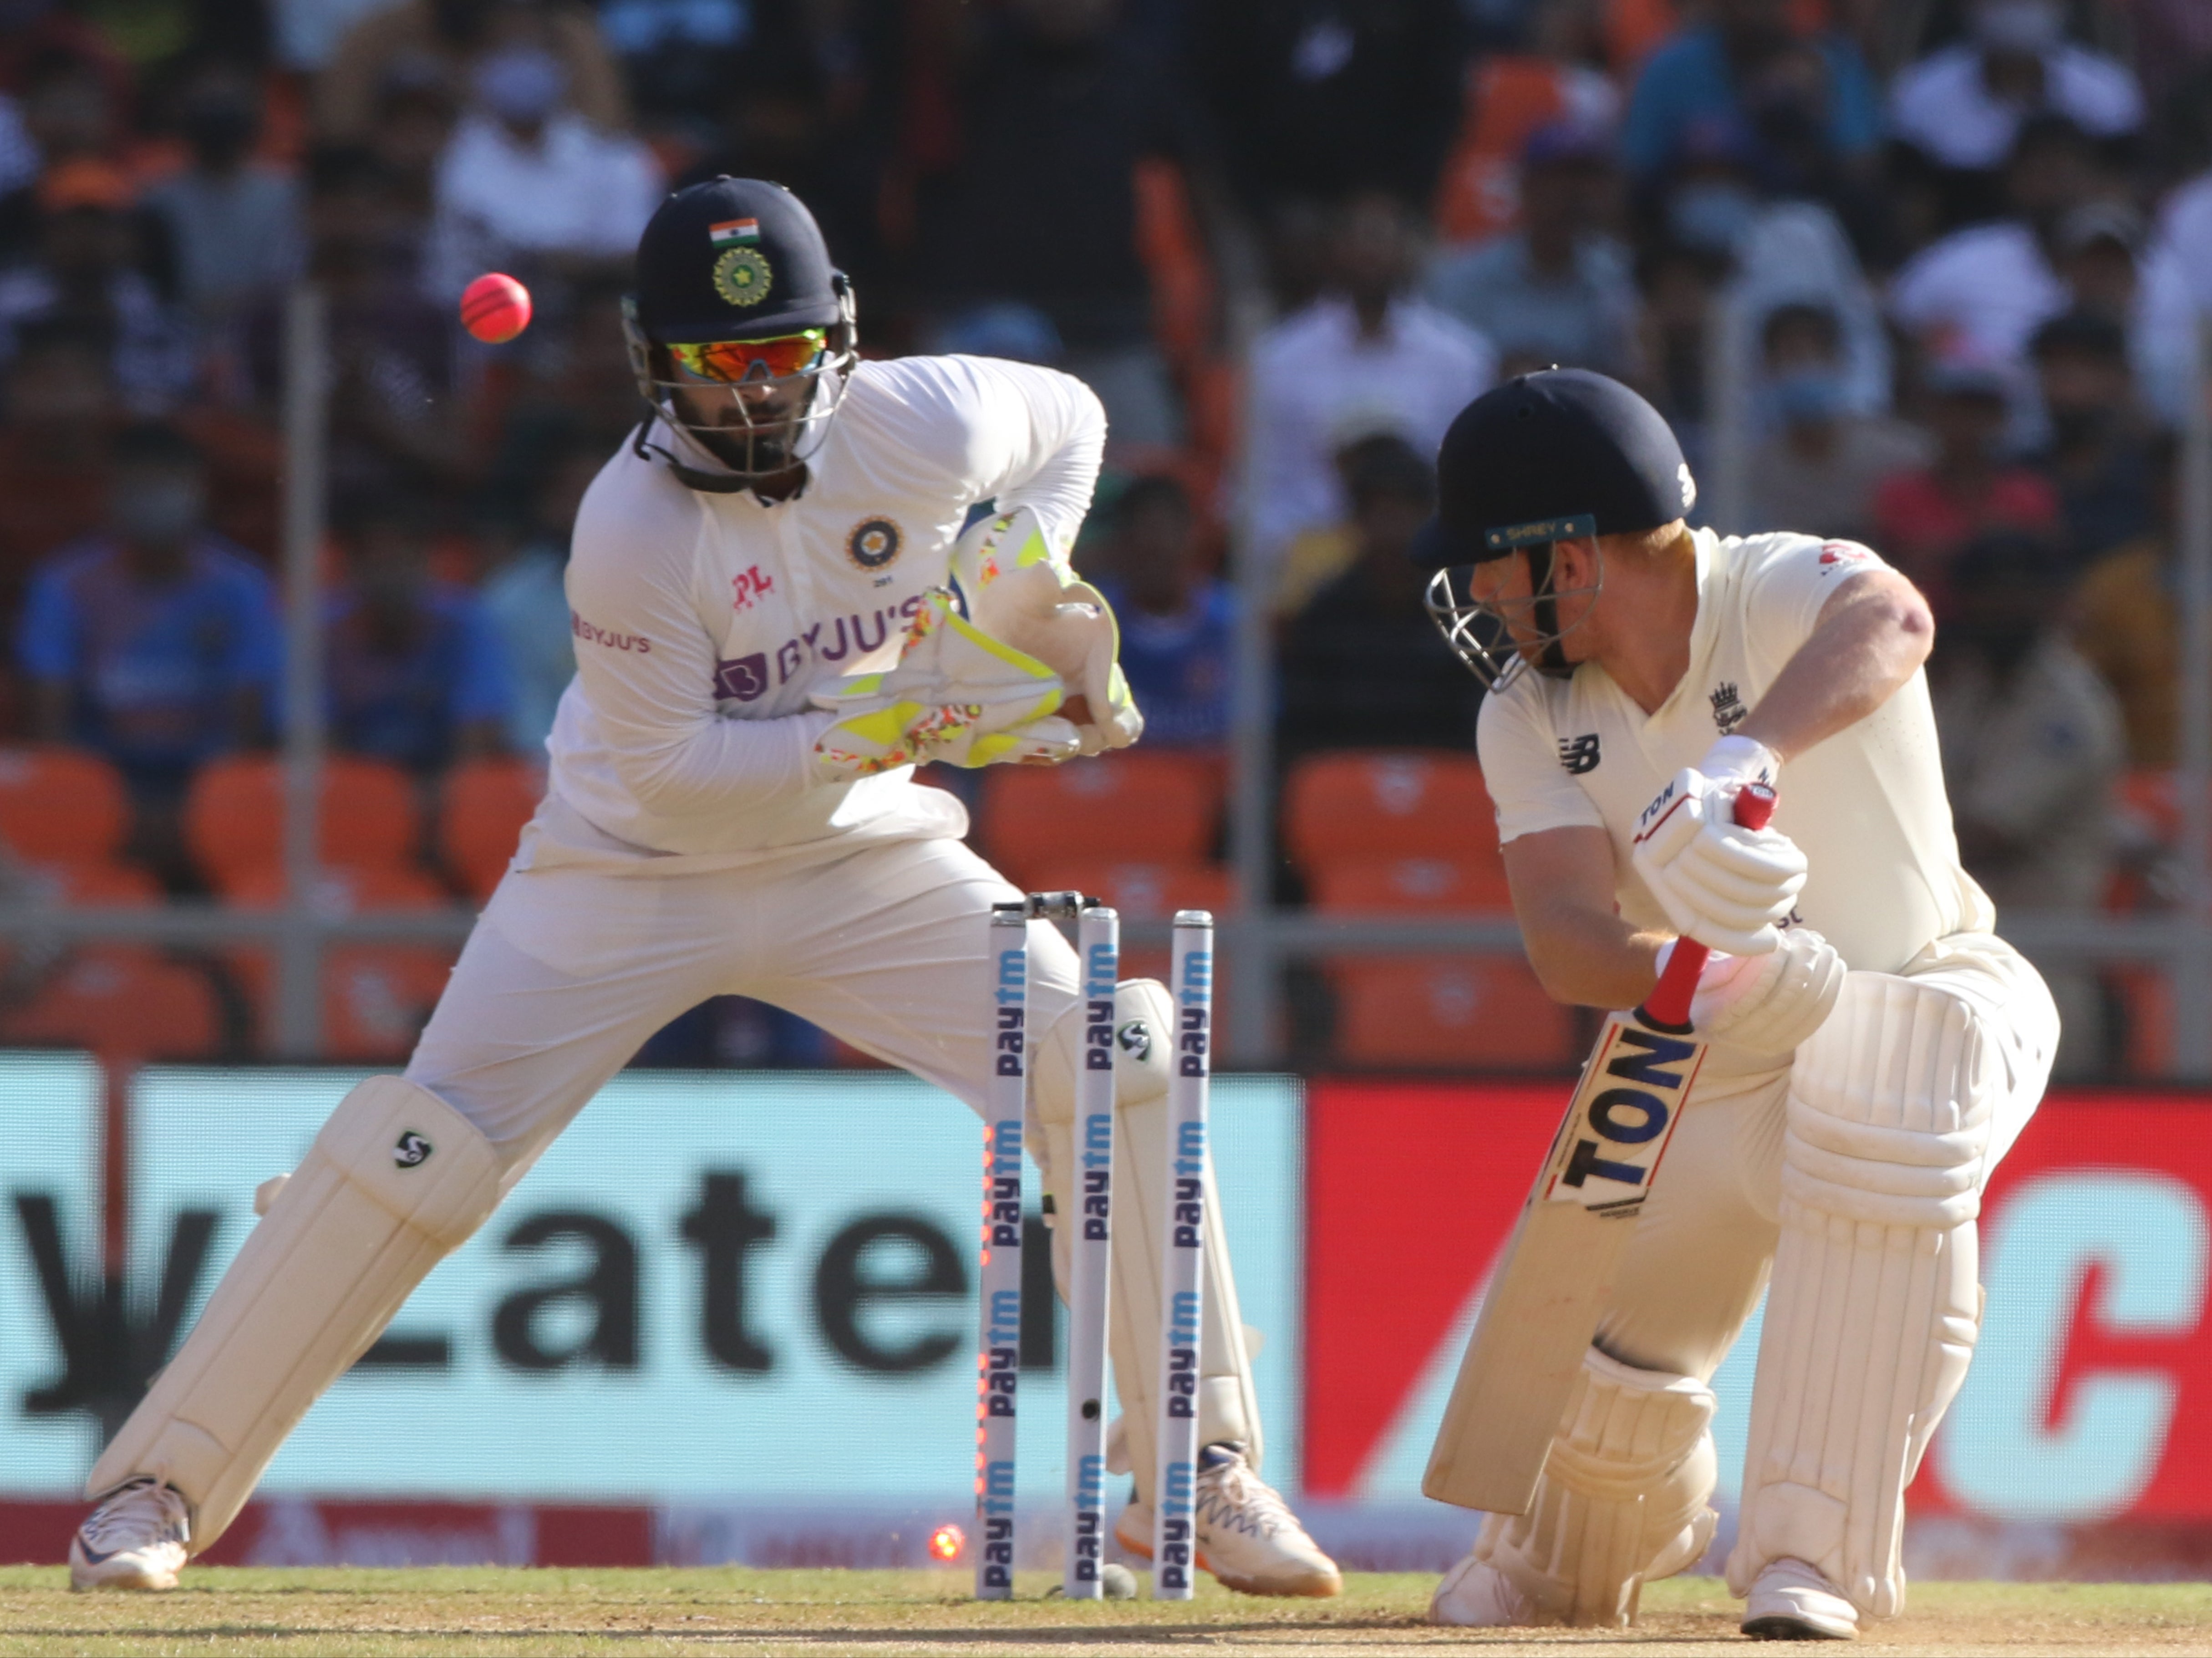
x=820 y=1614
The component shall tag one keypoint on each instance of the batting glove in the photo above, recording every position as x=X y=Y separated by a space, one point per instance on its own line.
x=1722 y=885
x=1765 y=1006
x=957 y=695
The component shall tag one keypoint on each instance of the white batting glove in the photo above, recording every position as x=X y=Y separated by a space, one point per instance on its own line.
x=957 y=695
x=1724 y=885
x=1765 y=1006
x=1019 y=589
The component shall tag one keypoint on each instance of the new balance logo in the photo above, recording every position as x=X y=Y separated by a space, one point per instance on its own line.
x=1579 y=754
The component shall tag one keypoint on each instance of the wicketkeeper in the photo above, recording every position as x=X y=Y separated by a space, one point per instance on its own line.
x=1875 y=1048
x=766 y=646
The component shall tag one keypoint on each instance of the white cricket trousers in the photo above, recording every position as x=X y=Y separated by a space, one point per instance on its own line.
x=569 y=970
x=1698 y=1261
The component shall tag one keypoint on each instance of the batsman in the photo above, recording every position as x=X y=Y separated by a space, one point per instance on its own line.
x=1872 y=1048
x=767 y=641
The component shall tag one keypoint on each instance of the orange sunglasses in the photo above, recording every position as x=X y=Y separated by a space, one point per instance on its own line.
x=733 y=362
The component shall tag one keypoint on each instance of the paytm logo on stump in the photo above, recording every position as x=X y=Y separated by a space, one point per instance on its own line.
x=753 y=1286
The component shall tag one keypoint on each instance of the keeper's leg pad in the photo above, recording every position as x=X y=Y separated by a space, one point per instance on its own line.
x=1624 y=1498
x=1228 y=1407
x=396 y=1181
x=1873 y=1309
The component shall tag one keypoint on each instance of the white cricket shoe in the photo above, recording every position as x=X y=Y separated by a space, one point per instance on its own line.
x=1475 y=1595
x=135 y=1539
x=1248 y=1537
x=1791 y=1601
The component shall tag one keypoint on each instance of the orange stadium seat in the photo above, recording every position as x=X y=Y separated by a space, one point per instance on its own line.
x=61 y=805
x=1448 y=1013
x=482 y=808
x=376 y=997
x=235 y=817
x=123 y=1000
x=1365 y=805
x=1140 y=807
x=1147 y=892
x=1473 y=885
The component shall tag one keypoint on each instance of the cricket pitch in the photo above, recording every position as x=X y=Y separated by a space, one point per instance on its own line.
x=823 y=1614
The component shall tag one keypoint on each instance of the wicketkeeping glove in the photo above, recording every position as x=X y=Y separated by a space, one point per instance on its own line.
x=957 y=695
x=1018 y=589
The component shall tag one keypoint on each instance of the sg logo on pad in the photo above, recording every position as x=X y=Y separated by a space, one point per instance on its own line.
x=412 y=1151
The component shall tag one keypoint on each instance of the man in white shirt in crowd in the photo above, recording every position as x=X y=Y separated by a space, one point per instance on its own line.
x=1873 y=1048
x=1364 y=359
x=766 y=644
x=1962 y=105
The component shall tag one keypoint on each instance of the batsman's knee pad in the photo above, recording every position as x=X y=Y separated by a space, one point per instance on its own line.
x=1873 y=1308
x=1623 y=1500
x=396 y=1181
x=1144 y=1017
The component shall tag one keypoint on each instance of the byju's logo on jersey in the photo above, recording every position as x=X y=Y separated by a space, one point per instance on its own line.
x=874 y=543
x=742 y=680
x=1728 y=711
x=1579 y=754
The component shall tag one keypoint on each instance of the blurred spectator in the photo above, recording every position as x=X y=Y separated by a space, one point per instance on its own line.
x=1366 y=359
x=90 y=269
x=70 y=113
x=1322 y=98
x=2177 y=295
x=1511 y=96
x=233 y=222
x=1064 y=99
x=1924 y=519
x=525 y=178
x=1558 y=291
x=1808 y=108
x=2098 y=457
x=417 y=40
x=2129 y=624
x=1362 y=665
x=1817 y=469
x=526 y=600
x=2100 y=247
x=1177 y=620
x=1982 y=291
x=1797 y=253
x=54 y=439
x=392 y=406
x=156 y=642
x=43 y=32
x=1319 y=555
x=417 y=675
x=678 y=55
x=1962 y=106
x=306 y=33
x=1678 y=284
x=2031 y=745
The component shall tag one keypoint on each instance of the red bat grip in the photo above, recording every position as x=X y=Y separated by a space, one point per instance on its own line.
x=1668 y=1004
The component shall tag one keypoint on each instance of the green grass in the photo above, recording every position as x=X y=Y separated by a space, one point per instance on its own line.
x=822 y=1615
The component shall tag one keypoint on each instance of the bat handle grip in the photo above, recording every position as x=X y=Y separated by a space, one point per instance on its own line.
x=1668 y=1007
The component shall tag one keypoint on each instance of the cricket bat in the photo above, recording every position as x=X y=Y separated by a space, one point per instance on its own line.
x=1551 y=1285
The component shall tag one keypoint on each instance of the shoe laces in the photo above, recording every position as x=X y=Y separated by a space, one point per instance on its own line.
x=1230 y=1494
x=142 y=1512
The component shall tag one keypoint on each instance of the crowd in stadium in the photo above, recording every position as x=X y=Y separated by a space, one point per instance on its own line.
x=1964 y=243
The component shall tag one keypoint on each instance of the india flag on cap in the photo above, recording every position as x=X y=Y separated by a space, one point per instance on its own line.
x=733 y=230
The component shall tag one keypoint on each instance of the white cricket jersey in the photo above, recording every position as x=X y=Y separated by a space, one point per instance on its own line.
x=1867 y=806
x=702 y=620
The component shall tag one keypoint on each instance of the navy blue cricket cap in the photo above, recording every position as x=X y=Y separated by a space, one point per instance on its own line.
x=1548 y=456
x=733 y=259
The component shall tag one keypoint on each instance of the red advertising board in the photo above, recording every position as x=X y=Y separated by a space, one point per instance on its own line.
x=2090 y=1402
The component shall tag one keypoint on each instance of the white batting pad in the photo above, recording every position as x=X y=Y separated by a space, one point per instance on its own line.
x=1228 y=1407
x=1873 y=1309
x=1622 y=1500
x=396 y=1182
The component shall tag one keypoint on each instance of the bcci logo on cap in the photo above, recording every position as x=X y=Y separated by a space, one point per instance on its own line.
x=412 y=1151
x=742 y=276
